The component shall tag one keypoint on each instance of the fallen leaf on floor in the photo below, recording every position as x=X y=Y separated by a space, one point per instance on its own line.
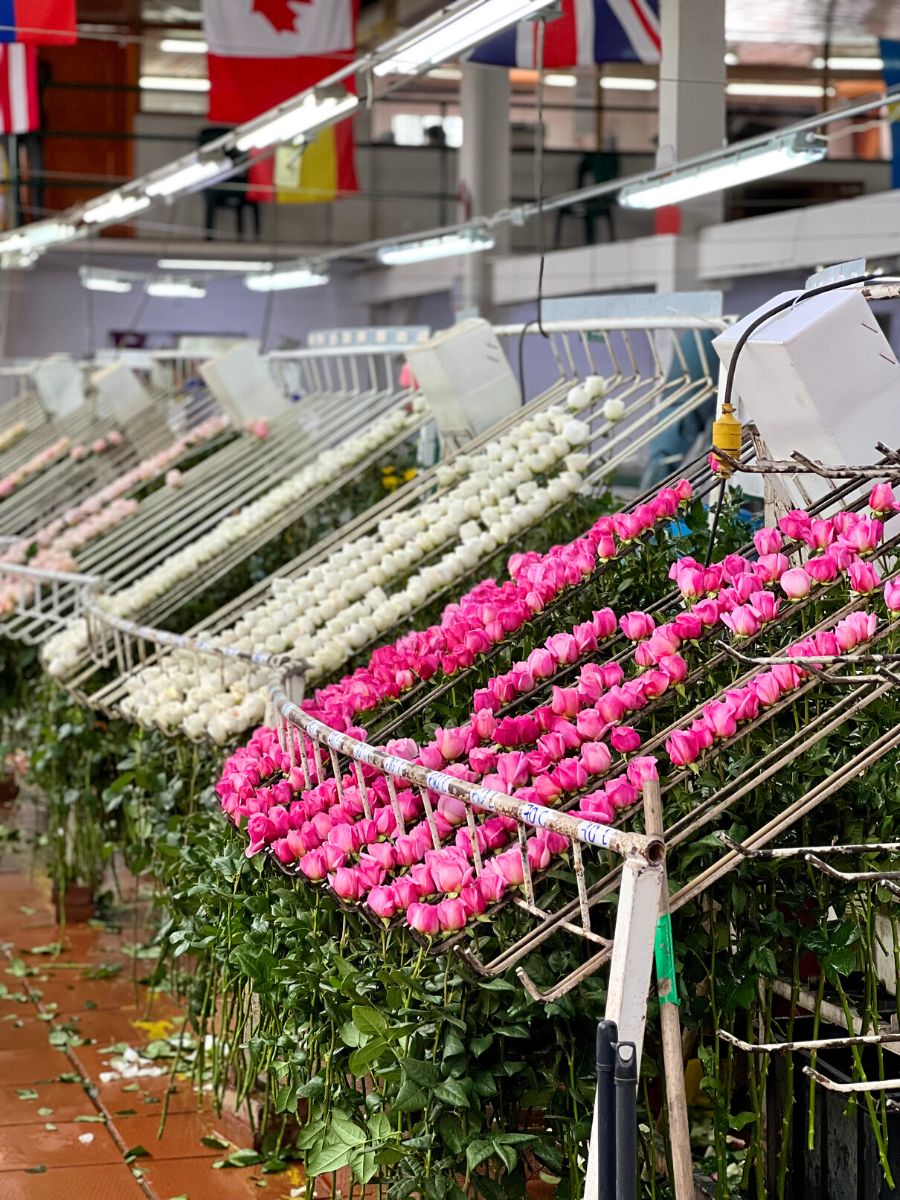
x=136 y=1152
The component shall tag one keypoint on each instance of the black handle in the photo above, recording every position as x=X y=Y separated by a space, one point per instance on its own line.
x=626 y=1121
x=607 y=1036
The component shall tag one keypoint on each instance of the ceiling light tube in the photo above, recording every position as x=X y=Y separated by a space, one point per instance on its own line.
x=300 y=276
x=188 y=176
x=96 y=279
x=456 y=29
x=627 y=83
x=114 y=207
x=849 y=63
x=181 y=45
x=560 y=80
x=173 y=83
x=175 y=289
x=40 y=234
x=771 y=158
x=814 y=91
x=448 y=245
x=212 y=264
x=288 y=123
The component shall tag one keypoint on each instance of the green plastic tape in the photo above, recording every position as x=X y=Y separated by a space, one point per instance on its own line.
x=664 y=950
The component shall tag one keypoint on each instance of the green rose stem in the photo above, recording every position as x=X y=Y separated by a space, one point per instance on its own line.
x=870 y=1104
x=811 y=1123
x=789 y=1077
x=872 y=1014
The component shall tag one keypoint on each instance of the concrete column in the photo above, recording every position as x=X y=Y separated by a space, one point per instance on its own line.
x=485 y=170
x=691 y=111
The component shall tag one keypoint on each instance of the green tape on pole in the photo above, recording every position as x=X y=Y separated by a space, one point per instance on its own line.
x=664 y=949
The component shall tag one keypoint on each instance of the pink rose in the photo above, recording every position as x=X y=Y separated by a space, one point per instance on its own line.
x=822 y=569
x=423 y=918
x=596 y=758
x=637 y=625
x=892 y=595
x=347 y=883
x=383 y=902
x=682 y=748
x=641 y=770
x=625 y=739
x=766 y=689
x=795 y=583
x=767 y=541
x=864 y=578
x=882 y=499
x=742 y=621
x=563 y=647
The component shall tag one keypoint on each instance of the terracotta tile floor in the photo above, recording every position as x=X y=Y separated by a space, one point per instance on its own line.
x=68 y=1116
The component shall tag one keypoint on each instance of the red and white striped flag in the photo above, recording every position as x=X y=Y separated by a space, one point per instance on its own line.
x=19 y=108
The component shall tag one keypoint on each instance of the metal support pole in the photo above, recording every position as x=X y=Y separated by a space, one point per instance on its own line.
x=607 y=1036
x=626 y=1077
x=670 y=1024
x=630 y=968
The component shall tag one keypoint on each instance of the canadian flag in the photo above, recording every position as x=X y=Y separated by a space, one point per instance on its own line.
x=262 y=52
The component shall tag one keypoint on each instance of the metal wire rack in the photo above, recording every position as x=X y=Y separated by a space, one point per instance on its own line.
x=642 y=364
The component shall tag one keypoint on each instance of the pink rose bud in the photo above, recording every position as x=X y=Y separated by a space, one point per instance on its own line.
x=795 y=583
x=423 y=918
x=682 y=748
x=625 y=739
x=565 y=702
x=864 y=577
x=538 y=853
x=674 y=666
x=621 y=793
x=822 y=569
x=864 y=536
x=563 y=647
x=604 y=622
x=508 y=866
x=347 y=883
x=743 y=621
x=766 y=689
x=892 y=595
x=770 y=567
x=882 y=499
x=637 y=625
x=795 y=524
x=541 y=663
x=383 y=902
x=596 y=758
x=642 y=770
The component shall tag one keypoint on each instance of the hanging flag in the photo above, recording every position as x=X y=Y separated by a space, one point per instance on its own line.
x=263 y=52
x=890 y=56
x=38 y=22
x=587 y=31
x=19 y=109
x=325 y=170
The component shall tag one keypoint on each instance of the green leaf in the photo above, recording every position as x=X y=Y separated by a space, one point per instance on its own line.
x=96 y=1119
x=365 y=1056
x=45 y=1112
x=35 y=1170
x=243 y=1158
x=136 y=1152
x=215 y=1141
x=451 y=1091
x=330 y=1158
x=131 y=1087
x=741 y=1120
x=425 y=1074
x=478 y=1152
x=346 y=1131
x=27 y=1093
x=369 y=1020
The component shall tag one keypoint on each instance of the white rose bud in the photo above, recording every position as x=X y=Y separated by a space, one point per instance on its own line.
x=578 y=397
x=614 y=409
x=595 y=386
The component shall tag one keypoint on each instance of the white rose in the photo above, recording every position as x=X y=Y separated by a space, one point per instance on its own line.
x=614 y=409
x=595 y=386
x=578 y=397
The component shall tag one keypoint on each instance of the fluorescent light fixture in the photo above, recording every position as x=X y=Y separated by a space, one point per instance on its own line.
x=212 y=264
x=173 y=83
x=453 y=74
x=731 y=59
x=177 y=45
x=627 y=83
x=114 y=207
x=188 y=176
x=448 y=245
x=175 y=289
x=288 y=123
x=715 y=176
x=457 y=28
x=784 y=90
x=37 y=235
x=96 y=279
x=849 y=63
x=564 y=80
x=302 y=275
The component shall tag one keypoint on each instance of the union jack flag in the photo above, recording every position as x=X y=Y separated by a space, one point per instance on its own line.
x=588 y=31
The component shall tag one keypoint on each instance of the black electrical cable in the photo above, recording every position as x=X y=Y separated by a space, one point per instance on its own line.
x=783 y=306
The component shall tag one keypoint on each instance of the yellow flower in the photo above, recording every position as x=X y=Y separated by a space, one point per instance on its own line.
x=409 y=473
